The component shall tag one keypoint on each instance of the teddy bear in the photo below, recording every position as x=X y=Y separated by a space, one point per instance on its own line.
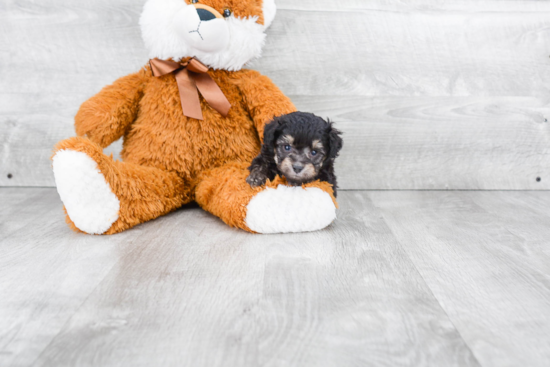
x=192 y=121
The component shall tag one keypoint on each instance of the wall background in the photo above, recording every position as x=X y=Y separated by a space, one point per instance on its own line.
x=430 y=94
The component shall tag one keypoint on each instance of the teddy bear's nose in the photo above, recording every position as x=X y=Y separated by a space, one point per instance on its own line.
x=205 y=15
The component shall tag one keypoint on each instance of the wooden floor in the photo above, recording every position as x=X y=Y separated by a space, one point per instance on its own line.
x=403 y=278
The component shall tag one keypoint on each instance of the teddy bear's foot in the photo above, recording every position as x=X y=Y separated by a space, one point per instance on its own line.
x=272 y=208
x=290 y=209
x=103 y=196
x=89 y=201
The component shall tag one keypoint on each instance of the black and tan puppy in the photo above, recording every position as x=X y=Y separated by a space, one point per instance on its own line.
x=300 y=146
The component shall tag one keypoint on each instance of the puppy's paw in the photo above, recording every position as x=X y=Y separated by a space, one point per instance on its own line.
x=256 y=178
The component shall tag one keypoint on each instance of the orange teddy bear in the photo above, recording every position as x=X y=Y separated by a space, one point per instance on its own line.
x=180 y=146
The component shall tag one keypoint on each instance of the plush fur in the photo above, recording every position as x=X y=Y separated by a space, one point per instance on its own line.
x=165 y=28
x=311 y=209
x=169 y=159
x=300 y=146
x=82 y=186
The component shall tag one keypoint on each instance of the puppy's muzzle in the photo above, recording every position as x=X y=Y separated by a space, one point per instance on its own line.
x=298 y=167
x=297 y=172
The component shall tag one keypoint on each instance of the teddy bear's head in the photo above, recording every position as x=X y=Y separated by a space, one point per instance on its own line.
x=223 y=34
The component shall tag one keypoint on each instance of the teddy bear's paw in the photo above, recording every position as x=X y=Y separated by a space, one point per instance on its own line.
x=290 y=209
x=88 y=198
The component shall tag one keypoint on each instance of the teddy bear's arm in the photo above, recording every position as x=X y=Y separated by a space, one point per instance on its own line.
x=105 y=117
x=263 y=99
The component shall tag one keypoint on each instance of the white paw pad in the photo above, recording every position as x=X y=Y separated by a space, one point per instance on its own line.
x=290 y=209
x=87 y=196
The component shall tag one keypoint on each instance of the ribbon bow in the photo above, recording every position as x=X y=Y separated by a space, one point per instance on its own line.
x=190 y=76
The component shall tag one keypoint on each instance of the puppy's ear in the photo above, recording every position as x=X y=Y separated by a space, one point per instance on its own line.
x=272 y=131
x=335 y=142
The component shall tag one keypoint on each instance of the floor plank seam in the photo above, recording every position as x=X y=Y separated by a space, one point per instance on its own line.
x=440 y=305
x=82 y=304
x=427 y=285
x=17 y=231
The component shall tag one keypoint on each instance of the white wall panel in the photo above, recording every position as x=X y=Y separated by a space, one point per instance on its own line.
x=468 y=80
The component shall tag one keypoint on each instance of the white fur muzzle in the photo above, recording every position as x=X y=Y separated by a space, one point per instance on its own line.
x=204 y=36
x=173 y=29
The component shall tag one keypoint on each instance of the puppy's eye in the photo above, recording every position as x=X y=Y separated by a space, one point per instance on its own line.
x=313 y=152
x=194 y=1
x=287 y=147
x=227 y=12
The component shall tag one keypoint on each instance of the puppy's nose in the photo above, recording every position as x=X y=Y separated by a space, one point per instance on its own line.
x=205 y=15
x=297 y=167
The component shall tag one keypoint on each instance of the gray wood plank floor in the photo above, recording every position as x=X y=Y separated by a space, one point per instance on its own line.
x=401 y=279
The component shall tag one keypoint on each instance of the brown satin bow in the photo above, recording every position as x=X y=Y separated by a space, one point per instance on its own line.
x=190 y=76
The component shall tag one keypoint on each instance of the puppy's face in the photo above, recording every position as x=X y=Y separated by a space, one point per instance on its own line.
x=299 y=163
x=301 y=144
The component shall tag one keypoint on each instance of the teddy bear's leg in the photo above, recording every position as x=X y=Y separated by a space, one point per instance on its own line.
x=275 y=208
x=102 y=196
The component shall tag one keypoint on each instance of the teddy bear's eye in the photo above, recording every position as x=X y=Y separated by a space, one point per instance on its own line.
x=227 y=12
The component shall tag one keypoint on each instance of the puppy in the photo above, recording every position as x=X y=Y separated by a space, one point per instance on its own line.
x=300 y=146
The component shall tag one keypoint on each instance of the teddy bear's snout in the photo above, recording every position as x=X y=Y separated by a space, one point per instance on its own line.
x=203 y=28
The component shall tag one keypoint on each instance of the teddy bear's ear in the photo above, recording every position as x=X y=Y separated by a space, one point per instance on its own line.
x=269 y=9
